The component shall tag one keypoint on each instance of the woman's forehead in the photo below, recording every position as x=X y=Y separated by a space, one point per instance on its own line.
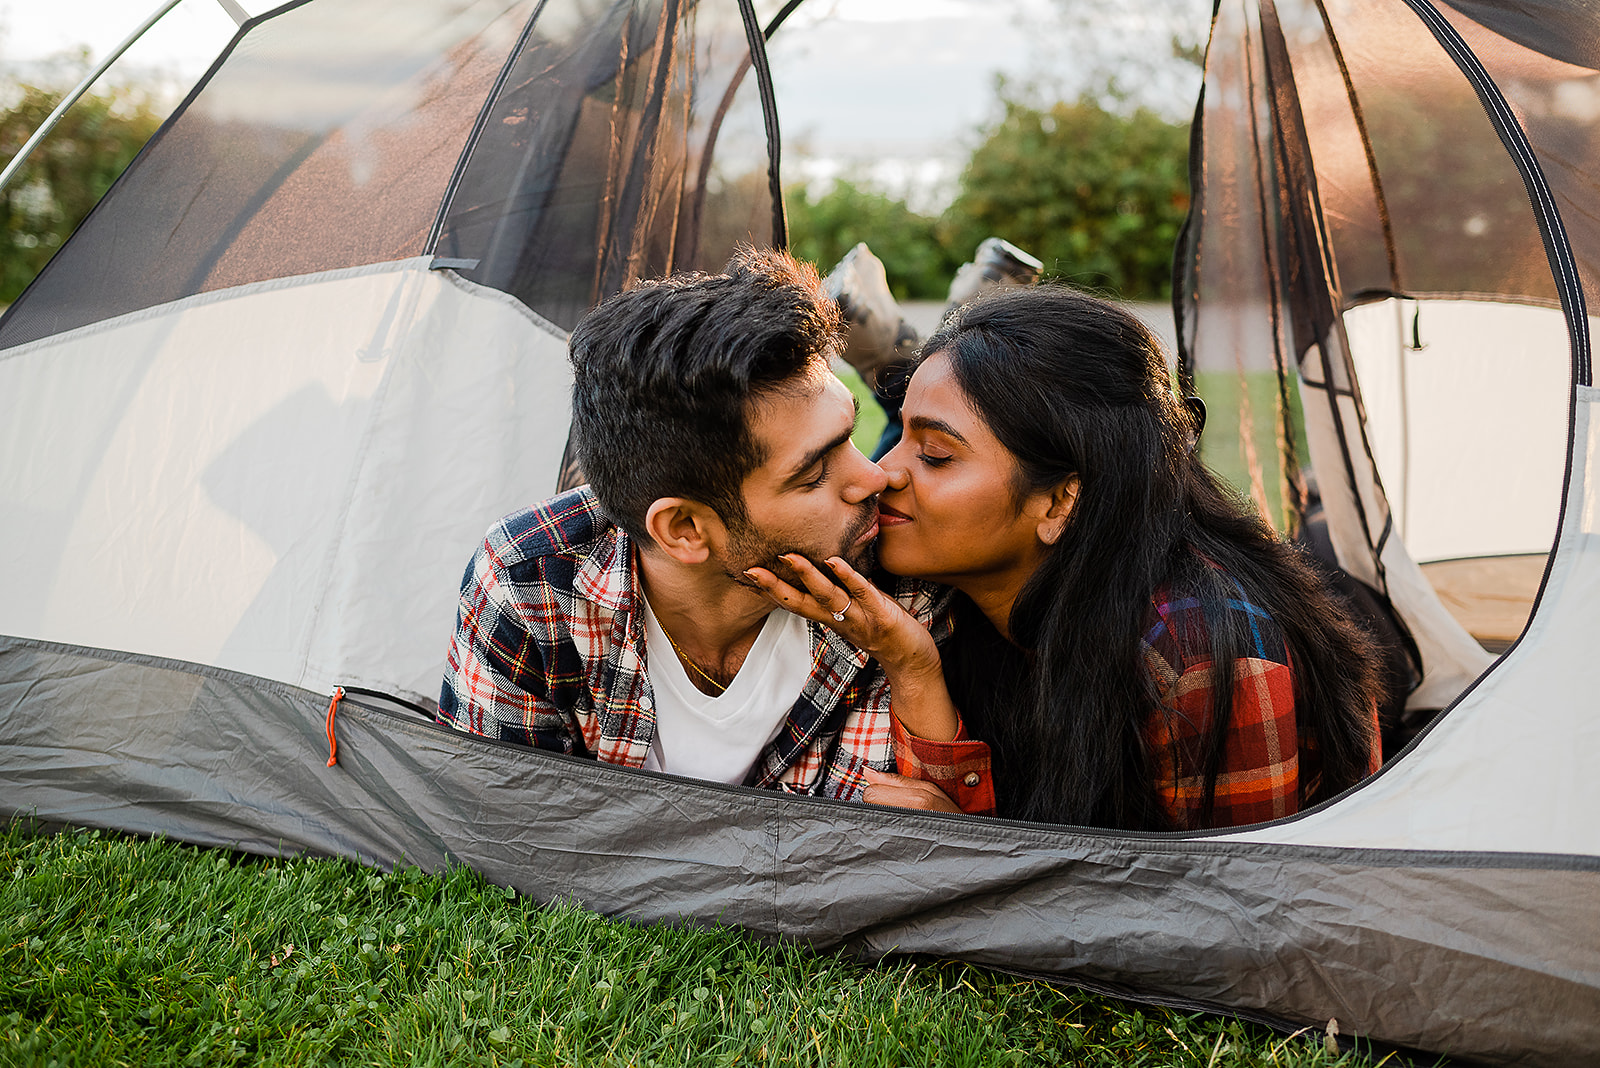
x=935 y=393
x=932 y=375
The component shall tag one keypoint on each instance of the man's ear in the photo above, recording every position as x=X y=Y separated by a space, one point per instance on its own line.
x=683 y=529
x=1062 y=500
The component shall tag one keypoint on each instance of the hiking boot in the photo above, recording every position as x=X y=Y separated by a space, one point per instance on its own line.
x=996 y=263
x=879 y=336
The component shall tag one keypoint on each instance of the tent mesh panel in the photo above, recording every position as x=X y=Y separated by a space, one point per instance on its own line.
x=626 y=141
x=1549 y=70
x=1414 y=191
x=325 y=139
x=627 y=144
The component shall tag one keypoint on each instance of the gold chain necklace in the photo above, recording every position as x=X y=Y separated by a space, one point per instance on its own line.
x=722 y=687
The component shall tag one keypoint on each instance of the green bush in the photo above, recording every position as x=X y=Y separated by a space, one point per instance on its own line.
x=822 y=230
x=1096 y=195
x=66 y=175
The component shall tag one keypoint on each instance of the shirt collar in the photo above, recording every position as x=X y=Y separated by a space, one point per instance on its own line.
x=607 y=574
x=843 y=651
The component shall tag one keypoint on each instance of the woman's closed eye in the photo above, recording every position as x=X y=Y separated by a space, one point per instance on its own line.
x=934 y=459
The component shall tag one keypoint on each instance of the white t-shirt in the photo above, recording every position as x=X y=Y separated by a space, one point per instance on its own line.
x=719 y=738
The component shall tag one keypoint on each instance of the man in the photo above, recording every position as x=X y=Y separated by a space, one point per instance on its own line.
x=615 y=621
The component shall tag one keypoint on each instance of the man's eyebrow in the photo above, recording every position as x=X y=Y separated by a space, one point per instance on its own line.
x=812 y=458
x=923 y=422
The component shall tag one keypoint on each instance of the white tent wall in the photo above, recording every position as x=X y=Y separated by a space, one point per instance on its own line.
x=284 y=479
x=1469 y=431
x=1358 y=526
x=1509 y=769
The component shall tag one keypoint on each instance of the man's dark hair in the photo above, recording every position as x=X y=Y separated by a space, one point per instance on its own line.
x=664 y=373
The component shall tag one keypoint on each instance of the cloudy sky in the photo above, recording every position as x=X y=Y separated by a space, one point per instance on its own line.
x=183 y=43
x=892 y=90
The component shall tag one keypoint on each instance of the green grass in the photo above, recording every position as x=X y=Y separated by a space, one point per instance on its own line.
x=870 y=424
x=122 y=951
x=1239 y=449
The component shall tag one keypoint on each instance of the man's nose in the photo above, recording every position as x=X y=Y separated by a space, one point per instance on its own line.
x=870 y=480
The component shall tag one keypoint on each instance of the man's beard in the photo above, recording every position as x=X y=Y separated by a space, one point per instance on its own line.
x=749 y=546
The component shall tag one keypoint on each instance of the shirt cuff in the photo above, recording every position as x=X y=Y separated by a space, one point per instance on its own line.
x=959 y=767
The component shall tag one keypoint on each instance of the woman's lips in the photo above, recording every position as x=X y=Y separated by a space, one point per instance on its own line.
x=890 y=517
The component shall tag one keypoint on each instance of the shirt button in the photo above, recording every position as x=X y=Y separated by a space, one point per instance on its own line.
x=646 y=704
x=971 y=779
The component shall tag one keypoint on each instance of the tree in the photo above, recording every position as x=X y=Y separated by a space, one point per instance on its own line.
x=1098 y=196
x=919 y=264
x=66 y=175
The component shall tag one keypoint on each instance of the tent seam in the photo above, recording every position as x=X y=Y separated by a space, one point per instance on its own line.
x=215 y=296
x=408 y=297
x=1004 y=831
x=500 y=296
x=1012 y=834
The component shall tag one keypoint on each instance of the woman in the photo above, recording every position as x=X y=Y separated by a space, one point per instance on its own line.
x=1133 y=645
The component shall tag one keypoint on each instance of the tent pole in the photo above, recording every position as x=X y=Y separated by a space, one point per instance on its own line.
x=82 y=87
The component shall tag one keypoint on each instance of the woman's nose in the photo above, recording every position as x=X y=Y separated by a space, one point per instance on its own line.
x=895 y=470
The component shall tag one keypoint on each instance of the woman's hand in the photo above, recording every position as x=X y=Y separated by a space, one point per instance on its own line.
x=897 y=791
x=873 y=622
x=862 y=614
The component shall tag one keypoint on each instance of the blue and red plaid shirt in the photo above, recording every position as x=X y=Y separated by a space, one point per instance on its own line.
x=549 y=651
x=1269 y=768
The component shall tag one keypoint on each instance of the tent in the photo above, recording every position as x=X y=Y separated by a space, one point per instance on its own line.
x=255 y=413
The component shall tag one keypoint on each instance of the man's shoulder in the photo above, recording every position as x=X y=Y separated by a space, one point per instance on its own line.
x=569 y=525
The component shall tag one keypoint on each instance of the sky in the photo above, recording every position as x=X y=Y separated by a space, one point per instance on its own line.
x=891 y=91
x=182 y=44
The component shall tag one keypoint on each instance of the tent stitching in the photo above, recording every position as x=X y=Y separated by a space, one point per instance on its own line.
x=215 y=296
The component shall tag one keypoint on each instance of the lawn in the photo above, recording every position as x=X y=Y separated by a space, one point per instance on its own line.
x=871 y=420
x=1241 y=439
x=120 y=951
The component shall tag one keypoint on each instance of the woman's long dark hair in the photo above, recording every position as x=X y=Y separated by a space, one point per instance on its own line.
x=1074 y=385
